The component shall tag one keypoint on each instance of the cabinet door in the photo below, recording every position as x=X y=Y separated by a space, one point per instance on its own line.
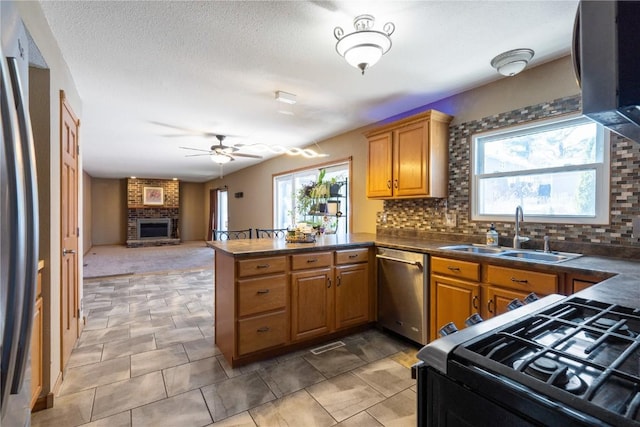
x=311 y=303
x=497 y=300
x=452 y=301
x=411 y=160
x=36 y=351
x=352 y=295
x=379 y=171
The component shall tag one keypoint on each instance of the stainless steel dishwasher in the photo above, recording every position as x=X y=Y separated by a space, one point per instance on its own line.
x=403 y=293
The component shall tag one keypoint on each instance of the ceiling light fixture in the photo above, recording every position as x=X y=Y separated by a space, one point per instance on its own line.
x=364 y=47
x=512 y=62
x=285 y=102
x=291 y=151
x=220 y=158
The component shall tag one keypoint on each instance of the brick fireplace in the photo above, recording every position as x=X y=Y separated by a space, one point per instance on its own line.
x=152 y=212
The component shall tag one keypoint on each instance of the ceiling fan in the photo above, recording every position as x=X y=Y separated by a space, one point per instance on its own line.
x=220 y=153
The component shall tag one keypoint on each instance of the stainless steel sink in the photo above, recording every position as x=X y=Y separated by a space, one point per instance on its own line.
x=474 y=249
x=520 y=254
x=539 y=256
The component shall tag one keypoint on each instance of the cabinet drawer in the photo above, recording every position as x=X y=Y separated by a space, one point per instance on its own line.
x=261 y=294
x=523 y=280
x=257 y=333
x=312 y=260
x=256 y=266
x=455 y=268
x=352 y=256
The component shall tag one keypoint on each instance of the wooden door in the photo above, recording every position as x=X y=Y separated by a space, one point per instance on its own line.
x=498 y=298
x=452 y=300
x=411 y=160
x=69 y=280
x=352 y=295
x=311 y=302
x=379 y=170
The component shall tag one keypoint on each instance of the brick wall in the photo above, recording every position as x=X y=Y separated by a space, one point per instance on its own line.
x=426 y=216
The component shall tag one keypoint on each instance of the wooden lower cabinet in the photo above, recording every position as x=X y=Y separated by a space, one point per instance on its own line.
x=497 y=299
x=351 y=295
x=311 y=303
x=37 y=341
x=452 y=300
x=266 y=305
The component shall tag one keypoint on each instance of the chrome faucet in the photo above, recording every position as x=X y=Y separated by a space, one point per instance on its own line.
x=518 y=239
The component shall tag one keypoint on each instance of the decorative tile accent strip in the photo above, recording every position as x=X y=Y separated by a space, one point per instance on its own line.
x=426 y=216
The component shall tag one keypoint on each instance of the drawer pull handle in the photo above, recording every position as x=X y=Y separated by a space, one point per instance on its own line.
x=474 y=301
x=263 y=266
x=453 y=268
x=513 y=279
x=353 y=256
x=489 y=304
x=328 y=283
x=264 y=329
x=310 y=260
x=263 y=291
x=339 y=281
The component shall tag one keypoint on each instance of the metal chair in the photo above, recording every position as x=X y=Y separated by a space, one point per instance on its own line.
x=231 y=234
x=271 y=233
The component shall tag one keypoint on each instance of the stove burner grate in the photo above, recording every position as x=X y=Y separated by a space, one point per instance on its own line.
x=553 y=372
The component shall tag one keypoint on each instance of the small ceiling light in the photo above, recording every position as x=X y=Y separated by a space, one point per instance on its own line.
x=512 y=62
x=287 y=98
x=285 y=102
x=220 y=158
x=364 y=47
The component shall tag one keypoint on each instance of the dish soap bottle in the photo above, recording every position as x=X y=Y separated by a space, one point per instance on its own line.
x=492 y=236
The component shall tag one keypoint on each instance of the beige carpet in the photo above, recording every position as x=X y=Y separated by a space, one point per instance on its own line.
x=115 y=260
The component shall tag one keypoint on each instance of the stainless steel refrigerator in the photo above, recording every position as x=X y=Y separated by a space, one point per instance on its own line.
x=18 y=222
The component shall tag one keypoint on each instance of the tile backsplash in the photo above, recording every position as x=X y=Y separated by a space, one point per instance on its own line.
x=415 y=217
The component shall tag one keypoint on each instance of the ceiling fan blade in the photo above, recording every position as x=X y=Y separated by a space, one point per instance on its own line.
x=249 y=156
x=197 y=155
x=196 y=149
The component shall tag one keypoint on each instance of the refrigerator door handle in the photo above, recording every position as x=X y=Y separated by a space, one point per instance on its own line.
x=14 y=277
x=31 y=217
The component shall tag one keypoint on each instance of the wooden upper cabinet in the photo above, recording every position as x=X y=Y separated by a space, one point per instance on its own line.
x=409 y=158
x=380 y=171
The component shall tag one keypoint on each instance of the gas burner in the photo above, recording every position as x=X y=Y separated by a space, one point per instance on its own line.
x=549 y=370
x=605 y=323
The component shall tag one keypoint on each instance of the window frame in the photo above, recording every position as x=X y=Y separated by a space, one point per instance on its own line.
x=602 y=170
x=346 y=162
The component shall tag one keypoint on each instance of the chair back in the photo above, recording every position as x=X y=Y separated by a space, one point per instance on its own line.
x=231 y=234
x=271 y=233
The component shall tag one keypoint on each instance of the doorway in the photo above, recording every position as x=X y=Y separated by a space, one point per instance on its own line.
x=218 y=211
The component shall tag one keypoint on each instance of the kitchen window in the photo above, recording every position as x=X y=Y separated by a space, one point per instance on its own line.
x=287 y=186
x=557 y=170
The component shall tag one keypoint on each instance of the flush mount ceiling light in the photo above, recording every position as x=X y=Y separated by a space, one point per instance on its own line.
x=364 y=47
x=512 y=62
x=285 y=102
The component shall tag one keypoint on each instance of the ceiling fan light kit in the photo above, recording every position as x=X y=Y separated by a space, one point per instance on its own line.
x=512 y=62
x=220 y=158
x=364 y=47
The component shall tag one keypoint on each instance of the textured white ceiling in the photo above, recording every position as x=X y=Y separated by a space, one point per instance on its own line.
x=144 y=69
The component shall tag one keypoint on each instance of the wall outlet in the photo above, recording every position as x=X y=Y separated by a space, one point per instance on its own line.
x=450 y=219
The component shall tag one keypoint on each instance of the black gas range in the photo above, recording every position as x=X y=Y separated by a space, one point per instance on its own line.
x=557 y=361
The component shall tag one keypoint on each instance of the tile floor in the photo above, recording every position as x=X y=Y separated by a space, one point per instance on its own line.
x=147 y=358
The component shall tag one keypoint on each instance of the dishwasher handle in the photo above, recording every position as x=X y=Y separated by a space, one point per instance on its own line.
x=404 y=261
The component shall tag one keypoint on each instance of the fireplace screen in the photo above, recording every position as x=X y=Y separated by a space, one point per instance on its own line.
x=154 y=228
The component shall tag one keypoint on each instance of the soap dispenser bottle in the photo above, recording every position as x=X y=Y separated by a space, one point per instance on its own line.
x=492 y=236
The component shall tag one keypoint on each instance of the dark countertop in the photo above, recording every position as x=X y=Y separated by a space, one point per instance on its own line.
x=620 y=285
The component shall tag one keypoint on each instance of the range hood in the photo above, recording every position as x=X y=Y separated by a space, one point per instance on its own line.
x=607 y=62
